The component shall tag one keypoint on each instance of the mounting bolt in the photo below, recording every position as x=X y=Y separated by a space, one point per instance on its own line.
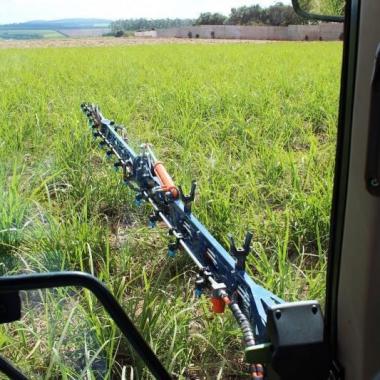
x=139 y=200
x=153 y=218
x=374 y=182
x=278 y=314
x=172 y=248
x=169 y=196
x=200 y=284
x=116 y=166
x=171 y=253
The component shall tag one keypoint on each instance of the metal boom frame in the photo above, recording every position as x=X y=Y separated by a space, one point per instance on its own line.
x=219 y=268
x=256 y=309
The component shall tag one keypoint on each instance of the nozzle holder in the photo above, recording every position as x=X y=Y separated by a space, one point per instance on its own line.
x=240 y=254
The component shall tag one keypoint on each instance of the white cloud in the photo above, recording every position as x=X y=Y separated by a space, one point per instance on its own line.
x=23 y=10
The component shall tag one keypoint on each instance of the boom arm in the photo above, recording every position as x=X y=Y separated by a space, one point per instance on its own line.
x=222 y=272
x=259 y=313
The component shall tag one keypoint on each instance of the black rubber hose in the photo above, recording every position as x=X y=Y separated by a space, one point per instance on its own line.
x=257 y=370
x=244 y=324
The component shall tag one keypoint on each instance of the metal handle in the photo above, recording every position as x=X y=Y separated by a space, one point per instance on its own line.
x=104 y=296
x=312 y=16
x=372 y=175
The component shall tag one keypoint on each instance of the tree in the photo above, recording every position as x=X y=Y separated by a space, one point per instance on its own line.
x=330 y=7
x=281 y=15
x=278 y=14
x=210 y=19
x=146 y=24
x=325 y=7
x=245 y=15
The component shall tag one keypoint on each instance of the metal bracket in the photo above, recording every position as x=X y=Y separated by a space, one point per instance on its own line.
x=188 y=199
x=299 y=350
x=240 y=254
x=9 y=293
x=10 y=307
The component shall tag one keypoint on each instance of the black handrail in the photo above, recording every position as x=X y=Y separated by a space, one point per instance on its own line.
x=313 y=16
x=10 y=370
x=84 y=280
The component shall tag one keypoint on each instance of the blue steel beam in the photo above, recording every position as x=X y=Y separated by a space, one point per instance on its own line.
x=224 y=274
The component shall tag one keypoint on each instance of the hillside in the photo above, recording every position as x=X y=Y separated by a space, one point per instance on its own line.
x=53 y=29
x=75 y=23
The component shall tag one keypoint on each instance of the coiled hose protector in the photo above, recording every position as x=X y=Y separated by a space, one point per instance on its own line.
x=257 y=370
x=245 y=326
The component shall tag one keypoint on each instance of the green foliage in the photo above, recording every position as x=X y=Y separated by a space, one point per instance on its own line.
x=254 y=124
x=329 y=7
x=246 y=15
x=210 y=19
x=277 y=15
x=324 y=7
x=281 y=15
x=147 y=24
x=28 y=34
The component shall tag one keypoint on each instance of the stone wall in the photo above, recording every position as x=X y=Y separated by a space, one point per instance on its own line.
x=325 y=32
x=147 y=33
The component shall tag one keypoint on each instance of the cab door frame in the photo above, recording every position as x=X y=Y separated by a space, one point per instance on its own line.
x=353 y=278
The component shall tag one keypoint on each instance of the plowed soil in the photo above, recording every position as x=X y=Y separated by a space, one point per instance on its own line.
x=110 y=41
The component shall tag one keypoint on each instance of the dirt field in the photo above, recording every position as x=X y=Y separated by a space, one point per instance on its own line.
x=110 y=41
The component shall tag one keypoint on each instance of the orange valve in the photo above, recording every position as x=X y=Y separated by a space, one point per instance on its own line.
x=226 y=299
x=218 y=305
x=165 y=179
x=257 y=372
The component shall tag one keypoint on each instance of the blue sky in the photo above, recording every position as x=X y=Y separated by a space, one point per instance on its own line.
x=24 y=10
